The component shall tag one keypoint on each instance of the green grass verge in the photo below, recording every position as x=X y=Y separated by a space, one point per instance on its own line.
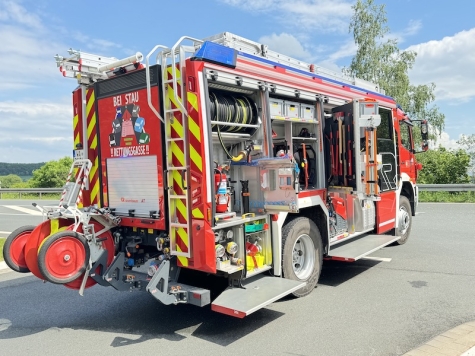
x=447 y=197
x=2 y=242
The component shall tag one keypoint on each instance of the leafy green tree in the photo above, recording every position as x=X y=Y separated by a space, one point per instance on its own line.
x=21 y=185
x=468 y=143
x=379 y=60
x=10 y=180
x=442 y=166
x=52 y=175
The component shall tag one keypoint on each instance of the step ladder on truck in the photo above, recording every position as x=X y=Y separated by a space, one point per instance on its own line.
x=220 y=165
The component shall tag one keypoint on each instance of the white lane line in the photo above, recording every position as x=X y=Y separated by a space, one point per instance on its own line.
x=24 y=210
x=380 y=259
x=13 y=214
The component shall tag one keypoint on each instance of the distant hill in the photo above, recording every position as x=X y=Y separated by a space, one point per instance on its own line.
x=20 y=169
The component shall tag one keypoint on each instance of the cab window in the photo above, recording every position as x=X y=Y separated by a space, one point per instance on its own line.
x=406 y=136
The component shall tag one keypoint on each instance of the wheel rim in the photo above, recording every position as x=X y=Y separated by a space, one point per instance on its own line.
x=404 y=220
x=36 y=238
x=303 y=257
x=65 y=258
x=17 y=249
x=107 y=244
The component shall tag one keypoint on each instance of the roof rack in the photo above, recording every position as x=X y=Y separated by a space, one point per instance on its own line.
x=88 y=68
x=260 y=50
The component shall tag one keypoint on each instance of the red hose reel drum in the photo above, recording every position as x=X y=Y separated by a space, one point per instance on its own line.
x=64 y=257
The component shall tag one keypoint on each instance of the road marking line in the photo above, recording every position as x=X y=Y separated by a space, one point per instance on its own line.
x=5 y=232
x=24 y=210
x=13 y=214
x=380 y=259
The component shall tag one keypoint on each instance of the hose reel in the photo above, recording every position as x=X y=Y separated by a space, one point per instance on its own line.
x=237 y=109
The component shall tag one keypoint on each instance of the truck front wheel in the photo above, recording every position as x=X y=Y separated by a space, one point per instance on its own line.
x=302 y=253
x=404 y=217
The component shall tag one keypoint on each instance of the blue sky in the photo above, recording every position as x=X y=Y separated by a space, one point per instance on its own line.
x=35 y=100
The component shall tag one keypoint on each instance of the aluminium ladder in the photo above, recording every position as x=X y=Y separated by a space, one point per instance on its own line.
x=173 y=68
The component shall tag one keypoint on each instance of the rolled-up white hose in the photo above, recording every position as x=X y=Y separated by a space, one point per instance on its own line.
x=137 y=57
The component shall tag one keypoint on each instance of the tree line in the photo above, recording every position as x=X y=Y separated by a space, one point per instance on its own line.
x=52 y=174
x=19 y=169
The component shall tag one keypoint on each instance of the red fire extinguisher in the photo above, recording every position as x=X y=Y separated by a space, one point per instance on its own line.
x=222 y=196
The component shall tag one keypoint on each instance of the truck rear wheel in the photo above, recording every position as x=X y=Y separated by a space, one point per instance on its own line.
x=404 y=217
x=302 y=254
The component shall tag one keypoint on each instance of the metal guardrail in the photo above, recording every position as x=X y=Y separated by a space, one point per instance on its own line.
x=422 y=187
x=446 y=187
x=39 y=191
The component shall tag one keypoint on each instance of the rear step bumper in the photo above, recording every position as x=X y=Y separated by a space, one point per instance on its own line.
x=353 y=250
x=256 y=293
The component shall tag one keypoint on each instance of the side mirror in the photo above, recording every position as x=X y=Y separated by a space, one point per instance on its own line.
x=424 y=148
x=424 y=130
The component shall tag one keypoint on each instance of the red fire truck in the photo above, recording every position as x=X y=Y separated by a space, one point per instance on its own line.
x=220 y=172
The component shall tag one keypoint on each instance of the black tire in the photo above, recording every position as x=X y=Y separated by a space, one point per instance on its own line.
x=404 y=217
x=302 y=234
x=9 y=260
x=46 y=266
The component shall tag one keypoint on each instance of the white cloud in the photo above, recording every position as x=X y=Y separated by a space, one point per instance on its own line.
x=35 y=131
x=286 y=44
x=445 y=141
x=412 y=29
x=449 y=63
x=95 y=43
x=26 y=59
x=291 y=46
x=324 y=15
x=252 y=5
x=28 y=47
x=13 y=11
x=348 y=49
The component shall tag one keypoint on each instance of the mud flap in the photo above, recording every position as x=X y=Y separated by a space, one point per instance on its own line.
x=256 y=293
x=355 y=249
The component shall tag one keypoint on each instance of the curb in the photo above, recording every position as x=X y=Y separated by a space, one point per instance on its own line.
x=459 y=341
x=3 y=266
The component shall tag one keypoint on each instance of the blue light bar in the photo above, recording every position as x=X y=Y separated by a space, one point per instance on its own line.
x=216 y=53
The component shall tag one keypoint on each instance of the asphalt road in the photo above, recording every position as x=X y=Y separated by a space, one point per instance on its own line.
x=363 y=308
x=16 y=213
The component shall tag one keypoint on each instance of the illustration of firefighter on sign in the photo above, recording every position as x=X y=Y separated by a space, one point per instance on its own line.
x=128 y=132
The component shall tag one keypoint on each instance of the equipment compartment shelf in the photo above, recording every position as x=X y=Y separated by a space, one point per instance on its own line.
x=253 y=272
x=305 y=138
x=294 y=119
x=237 y=220
x=231 y=136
